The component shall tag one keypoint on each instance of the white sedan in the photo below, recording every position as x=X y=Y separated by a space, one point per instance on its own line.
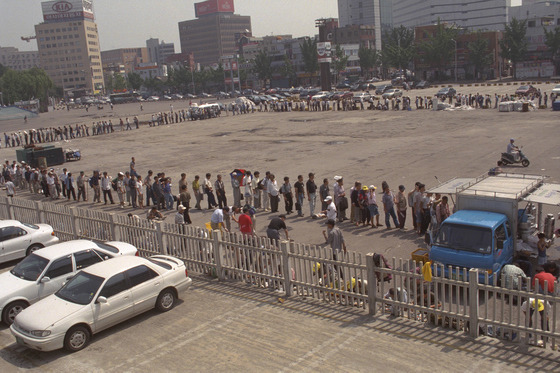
x=392 y=93
x=44 y=272
x=99 y=297
x=20 y=239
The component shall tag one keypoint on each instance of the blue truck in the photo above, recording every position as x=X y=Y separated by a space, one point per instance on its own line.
x=484 y=230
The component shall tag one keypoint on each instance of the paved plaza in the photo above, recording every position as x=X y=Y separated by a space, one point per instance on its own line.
x=229 y=326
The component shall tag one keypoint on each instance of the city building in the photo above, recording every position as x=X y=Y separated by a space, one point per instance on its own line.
x=127 y=57
x=460 y=62
x=69 y=49
x=151 y=70
x=158 y=52
x=468 y=14
x=363 y=35
x=352 y=13
x=215 y=31
x=15 y=59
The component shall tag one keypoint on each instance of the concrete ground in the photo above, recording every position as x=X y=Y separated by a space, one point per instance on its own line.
x=222 y=326
x=226 y=326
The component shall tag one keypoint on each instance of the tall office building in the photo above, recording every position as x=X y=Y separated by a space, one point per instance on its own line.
x=18 y=60
x=128 y=58
x=215 y=31
x=69 y=46
x=469 y=14
x=365 y=13
x=158 y=52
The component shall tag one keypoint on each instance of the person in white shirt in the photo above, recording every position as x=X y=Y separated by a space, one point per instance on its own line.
x=51 y=185
x=272 y=189
x=10 y=188
x=247 y=181
x=106 y=187
x=256 y=190
x=331 y=208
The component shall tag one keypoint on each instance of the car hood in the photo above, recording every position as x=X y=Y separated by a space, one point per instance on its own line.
x=11 y=285
x=46 y=313
x=124 y=248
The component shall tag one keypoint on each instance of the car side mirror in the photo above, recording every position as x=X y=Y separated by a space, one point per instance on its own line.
x=102 y=299
x=45 y=279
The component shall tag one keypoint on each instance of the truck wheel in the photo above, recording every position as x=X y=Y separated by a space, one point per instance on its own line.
x=525 y=162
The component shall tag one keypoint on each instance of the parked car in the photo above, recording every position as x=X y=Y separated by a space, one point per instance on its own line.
x=153 y=98
x=166 y=97
x=368 y=87
x=355 y=87
x=525 y=90
x=99 y=297
x=422 y=84
x=21 y=239
x=392 y=93
x=383 y=88
x=361 y=97
x=322 y=95
x=447 y=92
x=45 y=270
x=343 y=85
x=556 y=89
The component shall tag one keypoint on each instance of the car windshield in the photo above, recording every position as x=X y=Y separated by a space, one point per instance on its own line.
x=32 y=226
x=466 y=238
x=81 y=288
x=109 y=248
x=30 y=268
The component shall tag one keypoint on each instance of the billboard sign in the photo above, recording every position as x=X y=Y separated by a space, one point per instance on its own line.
x=324 y=52
x=213 y=6
x=63 y=10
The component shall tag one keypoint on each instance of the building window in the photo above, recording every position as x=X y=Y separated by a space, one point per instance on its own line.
x=531 y=23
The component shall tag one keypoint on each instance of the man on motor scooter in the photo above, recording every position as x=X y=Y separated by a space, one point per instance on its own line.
x=513 y=150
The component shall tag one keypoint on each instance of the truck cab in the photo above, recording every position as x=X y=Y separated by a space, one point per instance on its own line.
x=474 y=239
x=484 y=232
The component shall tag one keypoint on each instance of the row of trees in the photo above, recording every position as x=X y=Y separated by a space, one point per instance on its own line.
x=25 y=85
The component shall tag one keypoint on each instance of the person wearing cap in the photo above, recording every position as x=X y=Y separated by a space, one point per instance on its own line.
x=340 y=199
x=333 y=237
x=311 y=189
x=402 y=205
x=81 y=183
x=372 y=207
x=274 y=227
x=330 y=211
x=179 y=216
x=121 y=190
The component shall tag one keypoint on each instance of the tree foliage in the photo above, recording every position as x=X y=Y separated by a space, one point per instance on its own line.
x=398 y=47
x=479 y=55
x=339 y=60
x=369 y=59
x=514 y=44
x=439 y=49
x=309 y=54
x=262 y=65
x=552 y=41
x=25 y=85
x=135 y=80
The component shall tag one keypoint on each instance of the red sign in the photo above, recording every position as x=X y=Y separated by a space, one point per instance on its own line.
x=213 y=6
x=62 y=6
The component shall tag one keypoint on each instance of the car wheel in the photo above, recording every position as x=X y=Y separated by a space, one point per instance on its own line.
x=76 y=338
x=33 y=248
x=12 y=310
x=525 y=162
x=166 y=300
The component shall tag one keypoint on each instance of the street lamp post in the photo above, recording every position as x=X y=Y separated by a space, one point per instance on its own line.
x=455 y=42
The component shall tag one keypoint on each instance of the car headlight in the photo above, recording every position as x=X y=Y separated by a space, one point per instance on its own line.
x=41 y=333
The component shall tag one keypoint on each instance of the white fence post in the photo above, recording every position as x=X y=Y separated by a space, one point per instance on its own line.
x=40 y=212
x=10 y=208
x=217 y=248
x=115 y=233
x=473 y=302
x=160 y=238
x=372 y=284
x=75 y=229
x=286 y=270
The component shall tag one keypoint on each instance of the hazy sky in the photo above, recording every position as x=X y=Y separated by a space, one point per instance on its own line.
x=128 y=23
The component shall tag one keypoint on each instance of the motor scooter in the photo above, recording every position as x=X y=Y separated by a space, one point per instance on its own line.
x=508 y=158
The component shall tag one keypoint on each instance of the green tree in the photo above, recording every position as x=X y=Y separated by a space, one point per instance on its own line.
x=339 y=61
x=135 y=80
x=439 y=49
x=398 y=47
x=262 y=66
x=479 y=55
x=309 y=54
x=119 y=82
x=288 y=71
x=2 y=69
x=369 y=59
x=552 y=41
x=514 y=43
x=26 y=85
